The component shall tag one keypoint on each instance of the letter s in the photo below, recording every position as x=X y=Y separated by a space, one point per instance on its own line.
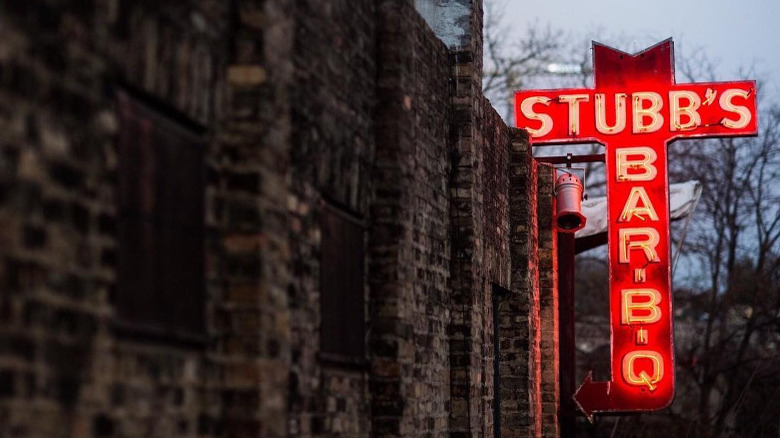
x=742 y=111
x=527 y=108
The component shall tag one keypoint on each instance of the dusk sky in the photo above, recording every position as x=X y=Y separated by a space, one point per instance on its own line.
x=736 y=34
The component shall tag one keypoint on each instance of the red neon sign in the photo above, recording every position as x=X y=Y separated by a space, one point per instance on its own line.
x=635 y=110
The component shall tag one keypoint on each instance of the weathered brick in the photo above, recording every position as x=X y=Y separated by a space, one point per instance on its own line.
x=355 y=104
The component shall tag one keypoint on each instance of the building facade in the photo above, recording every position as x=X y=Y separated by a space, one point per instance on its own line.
x=267 y=218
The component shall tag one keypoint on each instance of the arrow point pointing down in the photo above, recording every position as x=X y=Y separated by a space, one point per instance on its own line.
x=592 y=396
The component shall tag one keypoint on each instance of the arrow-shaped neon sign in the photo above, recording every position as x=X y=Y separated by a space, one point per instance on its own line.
x=636 y=109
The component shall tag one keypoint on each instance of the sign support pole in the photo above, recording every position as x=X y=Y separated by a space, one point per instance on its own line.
x=567 y=414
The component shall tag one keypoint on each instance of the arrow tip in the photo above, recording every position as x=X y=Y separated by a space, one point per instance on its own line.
x=580 y=395
x=592 y=397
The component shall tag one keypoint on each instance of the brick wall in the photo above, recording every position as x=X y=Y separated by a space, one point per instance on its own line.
x=252 y=316
x=520 y=319
x=480 y=199
x=64 y=373
x=354 y=105
x=530 y=393
x=409 y=241
x=332 y=103
x=548 y=299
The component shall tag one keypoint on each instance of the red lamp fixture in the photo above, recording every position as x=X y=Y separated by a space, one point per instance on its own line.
x=568 y=201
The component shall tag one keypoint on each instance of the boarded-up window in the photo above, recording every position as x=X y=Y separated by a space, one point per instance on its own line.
x=342 y=286
x=160 y=280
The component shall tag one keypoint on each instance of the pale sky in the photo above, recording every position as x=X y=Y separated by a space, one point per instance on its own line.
x=736 y=34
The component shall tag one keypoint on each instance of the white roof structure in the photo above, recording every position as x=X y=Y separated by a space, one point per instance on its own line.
x=682 y=200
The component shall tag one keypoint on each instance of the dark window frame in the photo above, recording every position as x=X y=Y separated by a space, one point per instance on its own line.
x=343 y=324
x=160 y=290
